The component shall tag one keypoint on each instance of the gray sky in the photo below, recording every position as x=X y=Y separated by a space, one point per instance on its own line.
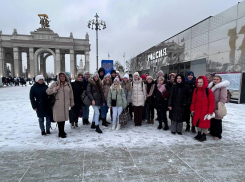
x=132 y=25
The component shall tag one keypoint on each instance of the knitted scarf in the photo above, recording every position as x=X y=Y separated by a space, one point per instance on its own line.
x=161 y=88
x=151 y=90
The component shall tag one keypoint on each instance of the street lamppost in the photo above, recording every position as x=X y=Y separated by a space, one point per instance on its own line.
x=97 y=25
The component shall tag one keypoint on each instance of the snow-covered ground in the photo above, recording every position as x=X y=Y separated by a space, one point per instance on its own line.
x=19 y=128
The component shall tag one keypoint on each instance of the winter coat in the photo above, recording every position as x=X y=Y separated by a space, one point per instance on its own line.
x=64 y=99
x=38 y=97
x=202 y=104
x=150 y=99
x=138 y=96
x=220 y=94
x=106 y=87
x=85 y=83
x=93 y=94
x=127 y=90
x=161 y=99
x=78 y=89
x=101 y=70
x=191 y=83
x=180 y=96
x=117 y=93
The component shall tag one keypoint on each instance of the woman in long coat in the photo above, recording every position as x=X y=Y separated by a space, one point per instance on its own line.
x=38 y=97
x=202 y=107
x=180 y=96
x=64 y=99
x=220 y=95
x=96 y=95
x=150 y=94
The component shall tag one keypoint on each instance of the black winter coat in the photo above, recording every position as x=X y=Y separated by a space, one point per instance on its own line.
x=93 y=94
x=178 y=100
x=38 y=97
x=78 y=89
x=161 y=102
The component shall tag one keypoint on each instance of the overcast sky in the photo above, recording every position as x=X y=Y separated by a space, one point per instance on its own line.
x=132 y=25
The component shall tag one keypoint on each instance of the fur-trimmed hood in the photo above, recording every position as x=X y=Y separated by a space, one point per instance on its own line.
x=104 y=82
x=91 y=81
x=119 y=88
x=223 y=83
x=66 y=77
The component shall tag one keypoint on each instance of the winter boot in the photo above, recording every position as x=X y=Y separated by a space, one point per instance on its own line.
x=98 y=130
x=93 y=125
x=152 y=121
x=104 y=122
x=84 y=121
x=48 y=132
x=198 y=137
x=179 y=133
x=76 y=125
x=113 y=126
x=173 y=132
x=160 y=125
x=87 y=122
x=193 y=129
x=187 y=128
x=203 y=138
x=72 y=126
x=148 y=122
x=118 y=126
x=166 y=126
x=43 y=133
x=62 y=135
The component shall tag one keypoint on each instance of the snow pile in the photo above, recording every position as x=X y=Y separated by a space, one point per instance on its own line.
x=20 y=129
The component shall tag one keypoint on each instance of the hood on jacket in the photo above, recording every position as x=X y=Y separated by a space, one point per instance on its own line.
x=66 y=77
x=182 y=78
x=205 y=84
x=223 y=83
x=101 y=70
x=79 y=74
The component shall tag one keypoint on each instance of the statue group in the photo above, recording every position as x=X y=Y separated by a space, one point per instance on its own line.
x=44 y=20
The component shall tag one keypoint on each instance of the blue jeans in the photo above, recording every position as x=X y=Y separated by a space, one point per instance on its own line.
x=104 y=110
x=41 y=123
x=96 y=114
x=85 y=111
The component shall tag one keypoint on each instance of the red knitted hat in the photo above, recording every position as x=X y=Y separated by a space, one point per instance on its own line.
x=143 y=77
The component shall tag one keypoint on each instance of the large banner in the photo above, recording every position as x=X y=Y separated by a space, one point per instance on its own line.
x=234 y=79
x=107 y=65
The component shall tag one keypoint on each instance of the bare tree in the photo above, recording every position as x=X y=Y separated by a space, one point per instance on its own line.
x=118 y=66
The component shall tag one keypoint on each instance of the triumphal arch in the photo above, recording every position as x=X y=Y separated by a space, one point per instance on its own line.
x=38 y=46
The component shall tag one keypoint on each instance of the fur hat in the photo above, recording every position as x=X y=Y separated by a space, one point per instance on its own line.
x=86 y=72
x=39 y=77
x=108 y=74
x=126 y=76
x=95 y=74
x=143 y=77
x=149 y=77
x=136 y=73
x=116 y=79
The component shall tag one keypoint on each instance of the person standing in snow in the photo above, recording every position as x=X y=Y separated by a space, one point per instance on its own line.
x=117 y=101
x=38 y=98
x=191 y=81
x=96 y=95
x=130 y=107
x=220 y=95
x=149 y=104
x=106 y=84
x=161 y=103
x=64 y=99
x=85 y=107
x=126 y=85
x=202 y=108
x=180 y=96
x=138 y=98
x=77 y=87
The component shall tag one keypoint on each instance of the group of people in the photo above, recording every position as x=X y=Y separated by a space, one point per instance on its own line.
x=189 y=100
x=16 y=81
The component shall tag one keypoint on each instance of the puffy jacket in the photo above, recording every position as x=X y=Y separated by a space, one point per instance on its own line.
x=117 y=93
x=38 y=97
x=64 y=99
x=106 y=87
x=138 y=93
x=202 y=104
x=220 y=94
x=93 y=94
x=127 y=90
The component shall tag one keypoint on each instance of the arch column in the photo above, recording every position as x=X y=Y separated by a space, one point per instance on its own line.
x=87 y=63
x=28 y=64
x=16 y=62
x=62 y=62
x=2 y=66
x=32 y=64
x=57 y=61
x=72 y=63
x=41 y=63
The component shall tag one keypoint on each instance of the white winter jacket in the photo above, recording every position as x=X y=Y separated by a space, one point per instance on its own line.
x=138 y=96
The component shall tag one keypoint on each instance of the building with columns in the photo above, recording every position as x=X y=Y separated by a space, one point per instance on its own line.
x=38 y=46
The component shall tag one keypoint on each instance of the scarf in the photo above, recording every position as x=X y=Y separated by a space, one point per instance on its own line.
x=161 y=88
x=149 y=89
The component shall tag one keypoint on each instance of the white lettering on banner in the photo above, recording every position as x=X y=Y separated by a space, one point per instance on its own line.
x=154 y=57
x=157 y=54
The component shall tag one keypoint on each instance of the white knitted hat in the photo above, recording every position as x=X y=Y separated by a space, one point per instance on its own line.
x=39 y=77
x=95 y=74
x=126 y=76
x=136 y=73
x=86 y=72
x=116 y=79
x=108 y=74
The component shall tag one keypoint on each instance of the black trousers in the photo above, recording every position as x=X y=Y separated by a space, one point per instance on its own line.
x=138 y=114
x=61 y=126
x=149 y=111
x=188 y=115
x=130 y=107
x=162 y=117
x=216 y=128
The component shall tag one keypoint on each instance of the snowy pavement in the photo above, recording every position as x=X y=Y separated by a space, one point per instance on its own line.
x=131 y=154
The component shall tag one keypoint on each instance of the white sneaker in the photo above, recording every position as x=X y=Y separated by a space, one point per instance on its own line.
x=113 y=126
x=118 y=126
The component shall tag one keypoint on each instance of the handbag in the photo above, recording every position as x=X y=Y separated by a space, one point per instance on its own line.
x=114 y=101
x=51 y=100
x=85 y=98
x=124 y=117
x=221 y=111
